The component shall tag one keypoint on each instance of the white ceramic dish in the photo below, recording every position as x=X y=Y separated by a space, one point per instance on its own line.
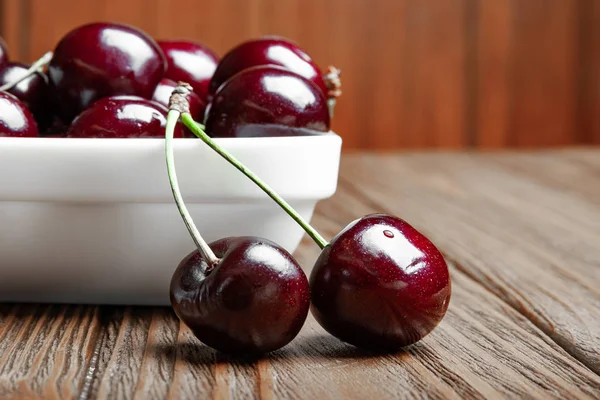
x=93 y=220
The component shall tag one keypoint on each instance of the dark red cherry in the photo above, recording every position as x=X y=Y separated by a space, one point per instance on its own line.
x=103 y=59
x=3 y=52
x=15 y=118
x=380 y=284
x=163 y=92
x=122 y=117
x=190 y=62
x=267 y=101
x=267 y=50
x=32 y=91
x=254 y=301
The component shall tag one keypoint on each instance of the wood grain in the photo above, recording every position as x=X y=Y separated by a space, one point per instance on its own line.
x=540 y=253
x=416 y=74
x=520 y=235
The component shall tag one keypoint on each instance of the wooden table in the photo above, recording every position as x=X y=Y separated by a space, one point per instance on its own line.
x=520 y=231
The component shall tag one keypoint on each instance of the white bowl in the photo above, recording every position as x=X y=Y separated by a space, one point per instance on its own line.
x=93 y=221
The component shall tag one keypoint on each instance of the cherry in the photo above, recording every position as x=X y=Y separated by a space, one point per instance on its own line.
x=163 y=91
x=255 y=300
x=380 y=284
x=32 y=91
x=267 y=101
x=266 y=50
x=15 y=118
x=239 y=295
x=103 y=59
x=122 y=117
x=3 y=52
x=191 y=62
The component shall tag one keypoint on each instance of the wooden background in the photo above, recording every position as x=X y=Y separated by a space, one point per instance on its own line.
x=416 y=73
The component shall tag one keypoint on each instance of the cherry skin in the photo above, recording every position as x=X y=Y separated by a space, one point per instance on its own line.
x=103 y=59
x=32 y=91
x=190 y=62
x=254 y=301
x=3 y=52
x=266 y=50
x=267 y=101
x=15 y=118
x=380 y=284
x=122 y=117
x=162 y=95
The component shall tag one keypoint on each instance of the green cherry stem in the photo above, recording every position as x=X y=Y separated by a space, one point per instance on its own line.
x=35 y=67
x=203 y=247
x=192 y=125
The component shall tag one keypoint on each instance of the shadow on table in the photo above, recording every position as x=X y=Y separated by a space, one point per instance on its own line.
x=318 y=346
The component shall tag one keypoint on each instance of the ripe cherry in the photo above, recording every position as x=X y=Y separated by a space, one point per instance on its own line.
x=190 y=62
x=122 y=117
x=163 y=92
x=3 y=52
x=267 y=50
x=267 y=101
x=33 y=91
x=380 y=284
x=15 y=118
x=239 y=295
x=103 y=59
x=254 y=300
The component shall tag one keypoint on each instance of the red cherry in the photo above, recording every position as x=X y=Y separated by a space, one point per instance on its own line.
x=267 y=101
x=267 y=50
x=100 y=60
x=122 y=117
x=380 y=284
x=254 y=301
x=190 y=62
x=162 y=95
x=33 y=91
x=15 y=118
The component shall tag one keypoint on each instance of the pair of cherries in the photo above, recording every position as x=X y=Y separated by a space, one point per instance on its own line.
x=378 y=284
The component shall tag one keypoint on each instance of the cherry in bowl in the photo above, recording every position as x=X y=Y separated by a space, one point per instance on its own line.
x=122 y=117
x=191 y=62
x=103 y=59
x=267 y=50
x=267 y=101
x=15 y=118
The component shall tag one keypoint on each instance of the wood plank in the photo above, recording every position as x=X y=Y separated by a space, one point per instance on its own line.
x=588 y=128
x=544 y=73
x=532 y=246
x=14 y=20
x=45 y=350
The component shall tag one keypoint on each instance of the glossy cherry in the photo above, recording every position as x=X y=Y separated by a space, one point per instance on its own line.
x=122 y=117
x=190 y=62
x=380 y=284
x=3 y=52
x=267 y=50
x=33 y=91
x=267 y=101
x=255 y=300
x=163 y=92
x=103 y=59
x=15 y=118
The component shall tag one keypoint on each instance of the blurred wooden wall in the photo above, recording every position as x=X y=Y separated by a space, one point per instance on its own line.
x=416 y=73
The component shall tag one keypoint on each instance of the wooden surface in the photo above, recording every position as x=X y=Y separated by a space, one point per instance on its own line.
x=521 y=233
x=416 y=74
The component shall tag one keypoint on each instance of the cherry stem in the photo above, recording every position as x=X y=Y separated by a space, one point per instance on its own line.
x=204 y=249
x=192 y=125
x=34 y=68
x=334 y=86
